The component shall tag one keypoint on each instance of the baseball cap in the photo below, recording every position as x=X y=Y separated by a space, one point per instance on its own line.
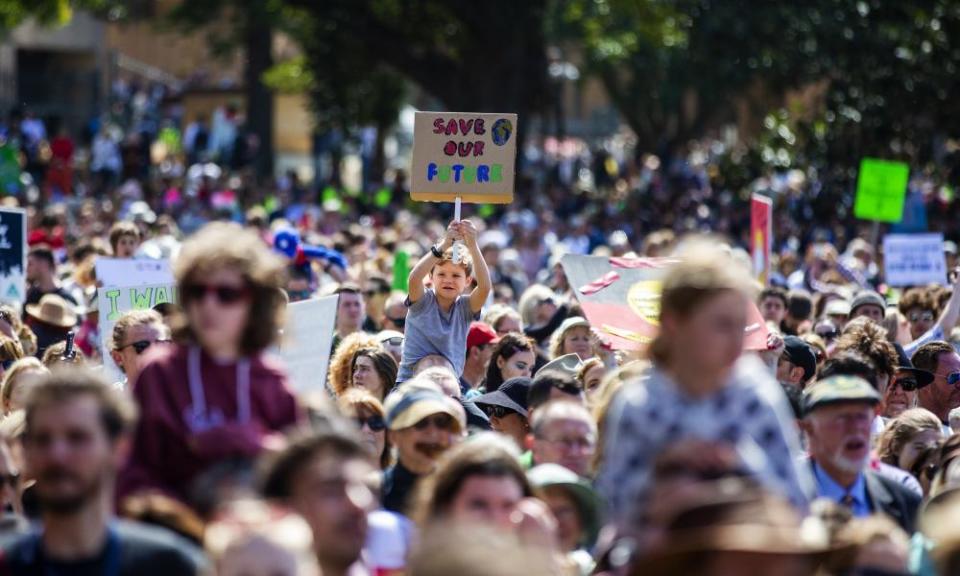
x=573 y=322
x=801 y=354
x=410 y=404
x=837 y=307
x=481 y=334
x=839 y=389
x=512 y=395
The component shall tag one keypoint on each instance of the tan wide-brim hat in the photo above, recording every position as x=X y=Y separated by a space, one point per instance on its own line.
x=53 y=310
x=412 y=403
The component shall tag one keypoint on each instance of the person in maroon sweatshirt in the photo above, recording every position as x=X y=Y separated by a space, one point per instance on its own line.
x=214 y=396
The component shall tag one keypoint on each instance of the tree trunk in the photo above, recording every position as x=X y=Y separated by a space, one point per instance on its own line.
x=259 y=53
x=379 y=160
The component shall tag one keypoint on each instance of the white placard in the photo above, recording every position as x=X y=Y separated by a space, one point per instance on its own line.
x=129 y=285
x=306 y=343
x=914 y=259
x=132 y=272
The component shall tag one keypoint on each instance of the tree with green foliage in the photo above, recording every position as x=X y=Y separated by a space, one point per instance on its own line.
x=483 y=56
x=677 y=69
x=47 y=12
x=251 y=28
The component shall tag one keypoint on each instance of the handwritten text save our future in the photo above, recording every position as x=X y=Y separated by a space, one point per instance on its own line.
x=457 y=172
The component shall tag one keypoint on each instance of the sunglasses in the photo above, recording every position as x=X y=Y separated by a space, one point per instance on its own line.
x=394 y=341
x=375 y=423
x=907 y=384
x=917 y=316
x=140 y=346
x=952 y=379
x=499 y=411
x=439 y=421
x=398 y=322
x=299 y=294
x=224 y=294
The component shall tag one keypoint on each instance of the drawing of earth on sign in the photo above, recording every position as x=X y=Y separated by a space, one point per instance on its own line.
x=502 y=129
x=644 y=300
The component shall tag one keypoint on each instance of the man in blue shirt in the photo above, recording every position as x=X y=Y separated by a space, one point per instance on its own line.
x=838 y=413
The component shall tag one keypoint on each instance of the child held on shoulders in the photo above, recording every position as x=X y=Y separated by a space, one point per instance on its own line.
x=438 y=318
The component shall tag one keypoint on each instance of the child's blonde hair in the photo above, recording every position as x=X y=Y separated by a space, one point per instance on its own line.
x=466 y=262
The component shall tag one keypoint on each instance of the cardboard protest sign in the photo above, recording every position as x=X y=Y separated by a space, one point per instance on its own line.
x=306 y=343
x=129 y=285
x=463 y=154
x=621 y=299
x=881 y=188
x=761 y=235
x=914 y=259
x=13 y=255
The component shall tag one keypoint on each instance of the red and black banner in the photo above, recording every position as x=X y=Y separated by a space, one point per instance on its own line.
x=621 y=299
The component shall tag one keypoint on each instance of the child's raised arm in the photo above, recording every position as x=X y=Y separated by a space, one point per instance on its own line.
x=426 y=263
x=480 y=271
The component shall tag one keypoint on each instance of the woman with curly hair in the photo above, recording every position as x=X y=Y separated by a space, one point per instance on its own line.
x=341 y=364
x=374 y=370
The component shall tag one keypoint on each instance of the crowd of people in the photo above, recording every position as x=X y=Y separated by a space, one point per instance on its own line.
x=472 y=420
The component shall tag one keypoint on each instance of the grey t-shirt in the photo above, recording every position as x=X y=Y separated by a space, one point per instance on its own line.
x=430 y=331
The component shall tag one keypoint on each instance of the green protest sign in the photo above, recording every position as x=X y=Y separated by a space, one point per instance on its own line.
x=401 y=269
x=881 y=188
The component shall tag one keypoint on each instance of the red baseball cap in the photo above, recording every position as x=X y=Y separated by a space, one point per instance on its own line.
x=481 y=334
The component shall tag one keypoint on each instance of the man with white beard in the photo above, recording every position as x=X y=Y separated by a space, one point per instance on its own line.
x=838 y=412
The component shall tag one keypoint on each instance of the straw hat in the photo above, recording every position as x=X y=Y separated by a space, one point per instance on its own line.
x=53 y=310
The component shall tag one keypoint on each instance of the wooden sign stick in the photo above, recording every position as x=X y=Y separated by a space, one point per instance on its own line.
x=458 y=245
